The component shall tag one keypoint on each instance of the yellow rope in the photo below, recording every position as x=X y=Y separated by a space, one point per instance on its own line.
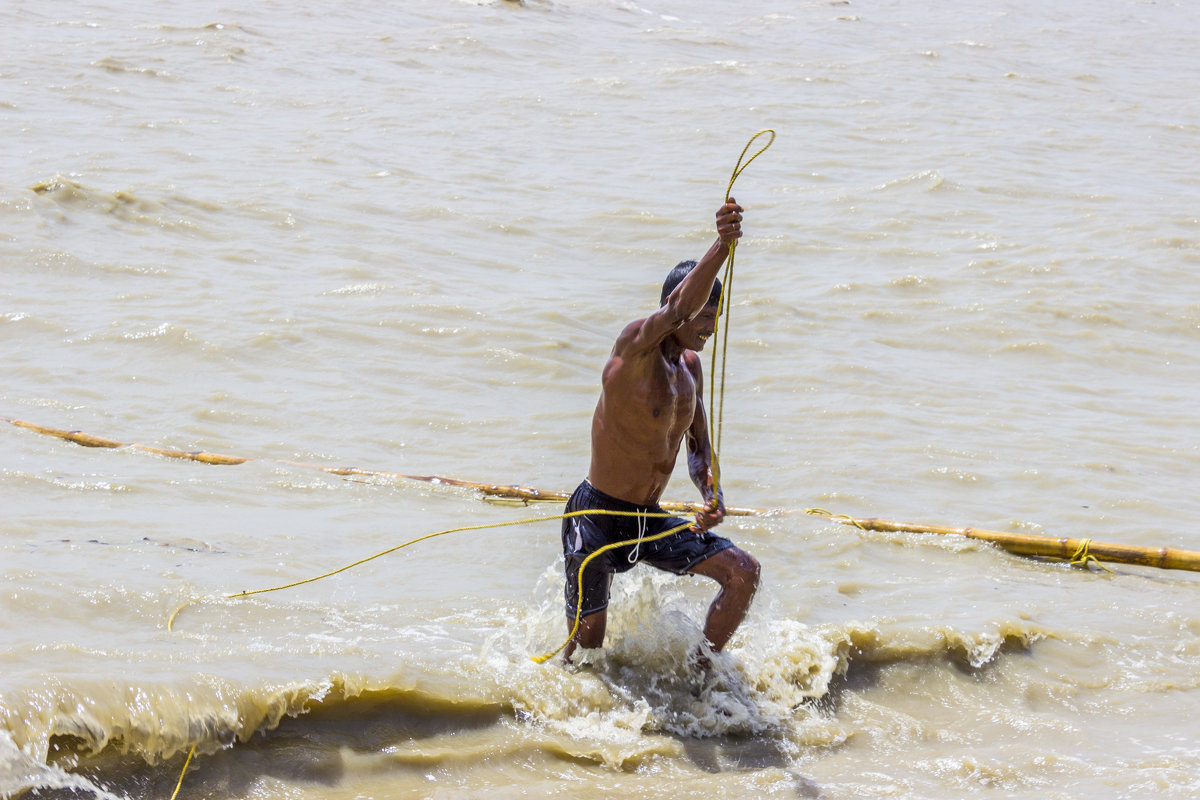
x=1084 y=558
x=716 y=419
x=183 y=772
x=530 y=520
x=380 y=554
x=821 y=512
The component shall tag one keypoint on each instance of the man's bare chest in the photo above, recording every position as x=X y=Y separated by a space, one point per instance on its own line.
x=668 y=391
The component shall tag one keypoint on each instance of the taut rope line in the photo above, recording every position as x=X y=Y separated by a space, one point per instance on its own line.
x=484 y=526
x=553 y=517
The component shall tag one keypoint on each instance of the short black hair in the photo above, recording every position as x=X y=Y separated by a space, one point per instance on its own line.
x=676 y=276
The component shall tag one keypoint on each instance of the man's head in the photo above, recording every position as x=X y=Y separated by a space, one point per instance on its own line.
x=693 y=333
x=676 y=276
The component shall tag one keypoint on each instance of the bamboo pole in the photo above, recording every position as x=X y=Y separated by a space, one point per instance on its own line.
x=1078 y=551
x=87 y=440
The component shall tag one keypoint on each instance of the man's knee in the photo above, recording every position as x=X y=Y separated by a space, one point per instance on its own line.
x=733 y=568
x=747 y=569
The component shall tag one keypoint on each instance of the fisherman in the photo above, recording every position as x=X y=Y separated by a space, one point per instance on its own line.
x=651 y=400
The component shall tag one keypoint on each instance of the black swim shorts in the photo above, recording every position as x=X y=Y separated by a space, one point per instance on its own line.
x=586 y=533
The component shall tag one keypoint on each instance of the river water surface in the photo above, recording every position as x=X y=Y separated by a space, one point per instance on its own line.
x=403 y=236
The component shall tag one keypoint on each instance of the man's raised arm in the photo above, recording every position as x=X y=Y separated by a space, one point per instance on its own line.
x=691 y=295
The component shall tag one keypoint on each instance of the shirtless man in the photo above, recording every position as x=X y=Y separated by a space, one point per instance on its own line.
x=651 y=399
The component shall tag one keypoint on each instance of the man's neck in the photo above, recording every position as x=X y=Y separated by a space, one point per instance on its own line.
x=671 y=349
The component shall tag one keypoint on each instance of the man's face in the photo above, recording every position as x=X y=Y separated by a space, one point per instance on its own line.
x=694 y=334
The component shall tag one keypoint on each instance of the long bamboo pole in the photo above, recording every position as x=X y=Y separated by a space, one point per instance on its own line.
x=1076 y=550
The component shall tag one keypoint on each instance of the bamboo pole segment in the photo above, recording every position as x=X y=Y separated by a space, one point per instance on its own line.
x=71 y=436
x=87 y=440
x=1077 y=551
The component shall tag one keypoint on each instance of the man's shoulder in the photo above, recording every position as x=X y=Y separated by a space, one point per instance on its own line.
x=630 y=330
x=629 y=340
x=629 y=358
